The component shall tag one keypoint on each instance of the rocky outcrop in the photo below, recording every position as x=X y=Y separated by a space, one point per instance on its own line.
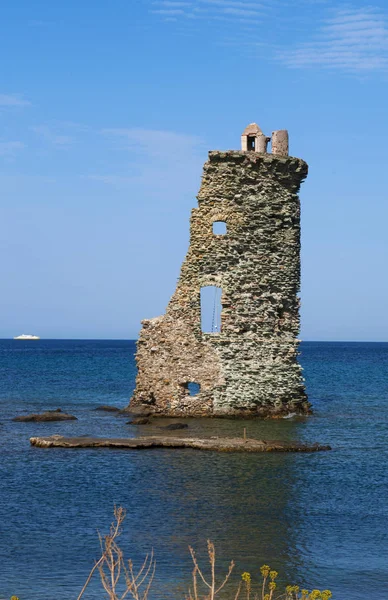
x=213 y=443
x=48 y=415
x=248 y=366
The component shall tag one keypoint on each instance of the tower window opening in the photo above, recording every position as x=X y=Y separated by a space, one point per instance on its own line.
x=251 y=143
x=211 y=309
x=219 y=228
x=193 y=388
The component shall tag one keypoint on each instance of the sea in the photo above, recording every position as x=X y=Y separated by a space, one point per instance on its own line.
x=319 y=519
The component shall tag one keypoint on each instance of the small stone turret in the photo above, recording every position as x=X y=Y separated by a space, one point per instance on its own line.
x=280 y=142
x=254 y=140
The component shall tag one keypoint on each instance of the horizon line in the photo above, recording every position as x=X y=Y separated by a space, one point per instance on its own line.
x=135 y=340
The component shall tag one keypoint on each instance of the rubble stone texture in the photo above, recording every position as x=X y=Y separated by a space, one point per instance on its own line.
x=249 y=367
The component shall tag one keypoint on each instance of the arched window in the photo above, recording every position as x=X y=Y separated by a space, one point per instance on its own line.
x=211 y=309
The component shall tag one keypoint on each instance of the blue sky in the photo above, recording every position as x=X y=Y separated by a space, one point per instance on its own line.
x=107 y=111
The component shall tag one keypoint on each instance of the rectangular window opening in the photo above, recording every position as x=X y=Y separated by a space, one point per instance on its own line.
x=211 y=309
x=251 y=143
x=219 y=228
x=193 y=387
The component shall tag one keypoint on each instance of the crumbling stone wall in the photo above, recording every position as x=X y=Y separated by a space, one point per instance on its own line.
x=250 y=367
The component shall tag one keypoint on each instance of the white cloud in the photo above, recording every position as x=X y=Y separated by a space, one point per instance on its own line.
x=173 y=4
x=117 y=181
x=352 y=40
x=240 y=12
x=53 y=138
x=154 y=159
x=156 y=143
x=13 y=100
x=38 y=23
x=318 y=34
x=211 y=3
x=228 y=10
x=10 y=148
x=233 y=3
x=168 y=12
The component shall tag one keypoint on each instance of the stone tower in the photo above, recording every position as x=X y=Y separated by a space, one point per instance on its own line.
x=246 y=362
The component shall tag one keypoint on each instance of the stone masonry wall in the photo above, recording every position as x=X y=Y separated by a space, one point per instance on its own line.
x=250 y=367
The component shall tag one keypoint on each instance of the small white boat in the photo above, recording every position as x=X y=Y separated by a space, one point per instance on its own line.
x=26 y=337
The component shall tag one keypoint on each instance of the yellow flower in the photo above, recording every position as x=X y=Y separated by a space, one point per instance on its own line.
x=289 y=589
x=273 y=574
x=266 y=597
x=326 y=595
x=272 y=585
x=264 y=570
x=246 y=577
x=305 y=592
x=315 y=595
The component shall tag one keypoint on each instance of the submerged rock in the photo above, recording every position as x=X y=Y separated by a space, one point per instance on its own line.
x=174 y=426
x=107 y=408
x=139 y=421
x=48 y=415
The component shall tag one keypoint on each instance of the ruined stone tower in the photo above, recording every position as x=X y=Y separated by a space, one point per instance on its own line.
x=246 y=363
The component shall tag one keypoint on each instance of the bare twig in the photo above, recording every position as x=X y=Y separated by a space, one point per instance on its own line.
x=112 y=569
x=214 y=590
x=238 y=591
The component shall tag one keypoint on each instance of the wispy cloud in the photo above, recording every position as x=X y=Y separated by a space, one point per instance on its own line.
x=156 y=143
x=52 y=137
x=38 y=23
x=308 y=33
x=154 y=159
x=173 y=4
x=228 y=10
x=169 y=12
x=116 y=181
x=210 y=3
x=351 y=40
x=10 y=148
x=13 y=100
x=240 y=12
x=233 y=3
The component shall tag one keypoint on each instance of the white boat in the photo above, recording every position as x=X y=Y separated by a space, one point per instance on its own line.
x=26 y=337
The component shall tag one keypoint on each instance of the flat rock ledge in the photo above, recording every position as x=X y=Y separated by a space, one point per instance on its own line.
x=48 y=415
x=212 y=443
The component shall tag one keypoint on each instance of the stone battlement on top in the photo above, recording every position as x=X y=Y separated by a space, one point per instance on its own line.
x=254 y=140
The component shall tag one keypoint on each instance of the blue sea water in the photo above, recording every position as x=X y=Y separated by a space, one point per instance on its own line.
x=320 y=519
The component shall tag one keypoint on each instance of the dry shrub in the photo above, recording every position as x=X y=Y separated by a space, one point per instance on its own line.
x=115 y=573
x=120 y=580
x=213 y=589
